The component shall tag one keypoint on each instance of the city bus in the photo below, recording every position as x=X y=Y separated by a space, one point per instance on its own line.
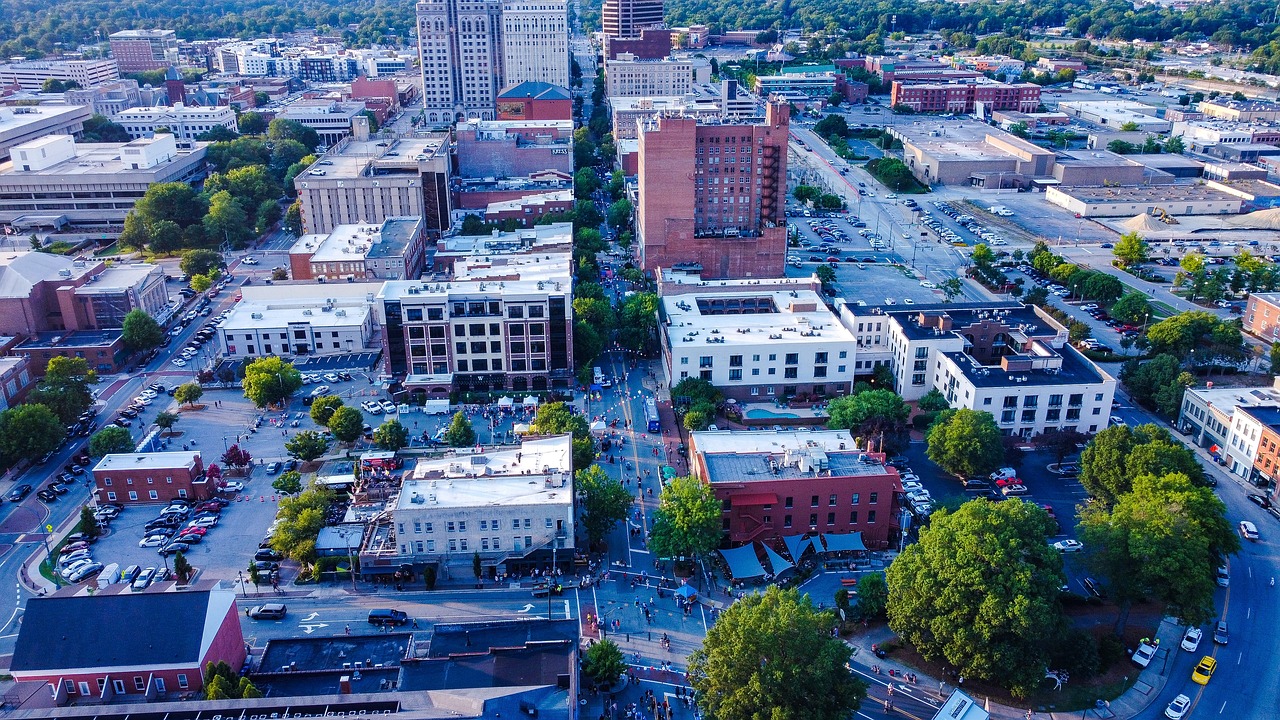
x=651 y=415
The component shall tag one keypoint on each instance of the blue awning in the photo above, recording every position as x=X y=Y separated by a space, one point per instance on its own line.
x=779 y=563
x=686 y=591
x=844 y=543
x=743 y=562
x=798 y=545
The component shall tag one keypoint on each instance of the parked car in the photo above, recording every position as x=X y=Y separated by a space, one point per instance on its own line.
x=268 y=611
x=84 y=573
x=1143 y=655
x=1191 y=639
x=1178 y=708
x=19 y=493
x=268 y=555
x=144 y=579
x=232 y=487
x=273 y=468
x=174 y=547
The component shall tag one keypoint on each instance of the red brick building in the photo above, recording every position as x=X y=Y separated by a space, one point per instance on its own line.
x=535 y=101
x=964 y=97
x=777 y=483
x=712 y=192
x=1262 y=316
x=92 y=648
x=156 y=477
x=652 y=44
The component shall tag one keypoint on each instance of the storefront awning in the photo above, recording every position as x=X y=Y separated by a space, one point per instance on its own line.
x=843 y=543
x=743 y=562
x=798 y=545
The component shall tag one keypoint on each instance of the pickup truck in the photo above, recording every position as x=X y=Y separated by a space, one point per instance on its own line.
x=543 y=589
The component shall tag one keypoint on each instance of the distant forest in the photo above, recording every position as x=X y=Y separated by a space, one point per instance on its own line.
x=41 y=27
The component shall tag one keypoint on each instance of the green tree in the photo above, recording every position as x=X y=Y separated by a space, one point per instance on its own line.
x=281 y=129
x=951 y=288
x=687 y=521
x=182 y=568
x=252 y=185
x=200 y=262
x=772 y=655
x=251 y=123
x=301 y=518
x=620 y=214
x=140 y=332
x=166 y=237
x=165 y=420
x=270 y=381
x=293 y=218
x=188 y=393
x=64 y=389
x=88 y=524
x=585 y=215
x=1060 y=442
x=638 y=322
x=1102 y=287
x=603 y=663
x=1174 y=145
x=979 y=591
x=460 y=432
x=933 y=401
x=872 y=414
x=602 y=501
x=309 y=444
x=827 y=276
x=1159 y=383
x=28 y=432
x=1161 y=540
x=100 y=129
x=1120 y=453
x=873 y=596
x=176 y=202
x=322 y=409
x=135 y=233
x=201 y=283
x=391 y=435
x=1132 y=307
x=965 y=443
x=1275 y=358
x=982 y=255
x=346 y=424
x=1131 y=249
x=289 y=483
x=227 y=220
x=585 y=183
x=110 y=440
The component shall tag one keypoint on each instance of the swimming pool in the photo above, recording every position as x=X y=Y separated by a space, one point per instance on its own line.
x=761 y=414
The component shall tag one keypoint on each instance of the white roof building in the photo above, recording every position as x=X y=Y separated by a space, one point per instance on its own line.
x=25 y=123
x=300 y=320
x=186 y=123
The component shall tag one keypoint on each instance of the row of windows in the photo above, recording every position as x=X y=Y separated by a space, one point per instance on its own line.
x=420 y=527
x=129 y=481
x=461 y=544
x=813 y=519
x=139 y=684
x=151 y=494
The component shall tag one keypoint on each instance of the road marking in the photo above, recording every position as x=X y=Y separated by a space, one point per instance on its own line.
x=308 y=629
x=527 y=608
x=311 y=617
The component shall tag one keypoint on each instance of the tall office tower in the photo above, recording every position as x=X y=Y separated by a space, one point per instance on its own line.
x=136 y=50
x=460 y=50
x=535 y=41
x=626 y=18
x=713 y=193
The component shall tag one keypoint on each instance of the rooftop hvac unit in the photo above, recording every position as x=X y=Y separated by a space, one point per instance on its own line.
x=256 y=316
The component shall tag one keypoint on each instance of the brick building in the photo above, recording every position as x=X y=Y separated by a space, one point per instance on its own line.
x=776 y=483
x=513 y=148
x=964 y=97
x=137 y=50
x=712 y=192
x=535 y=101
x=652 y=44
x=43 y=291
x=102 y=349
x=165 y=639
x=1262 y=316
x=156 y=477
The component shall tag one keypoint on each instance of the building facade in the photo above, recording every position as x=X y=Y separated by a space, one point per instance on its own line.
x=332 y=120
x=513 y=148
x=754 y=340
x=631 y=77
x=1262 y=316
x=460 y=52
x=713 y=193
x=151 y=478
x=964 y=97
x=48 y=292
x=394 y=250
x=183 y=122
x=535 y=41
x=32 y=75
x=514 y=507
x=535 y=101
x=626 y=18
x=300 y=321
x=25 y=123
x=776 y=483
x=138 y=50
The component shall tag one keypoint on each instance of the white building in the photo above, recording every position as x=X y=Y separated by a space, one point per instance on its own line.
x=32 y=75
x=107 y=99
x=535 y=41
x=329 y=118
x=392 y=250
x=1007 y=359
x=754 y=339
x=514 y=506
x=25 y=123
x=185 y=123
x=1116 y=114
x=300 y=320
x=57 y=183
x=460 y=52
x=1211 y=418
x=629 y=77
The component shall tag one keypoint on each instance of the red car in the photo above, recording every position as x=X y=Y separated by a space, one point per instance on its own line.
x=1008 y=481
x=194 y=531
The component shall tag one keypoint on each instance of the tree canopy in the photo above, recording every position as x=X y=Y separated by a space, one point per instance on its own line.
x=391 y=435
x=29 y=431
x=878 y=415
x=64 y=389
x=980 y=592
x=687 y=521
x=554 y=419
x=460 y=433
x=346 y=424
x=603 y=501
x=322 y=409
x=270 y=380
x=307 y=445
x=140 y=331
x=965 y=443
x=111 y=439
x=1120 y=453
x=772 y=655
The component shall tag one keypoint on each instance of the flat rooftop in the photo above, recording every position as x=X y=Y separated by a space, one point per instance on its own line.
x=538 y=472
x=770 y=455
x=555 y=196
x=119 y=278
x=1074 y=370
x=963 y=140
x=249 y=315
x=509 y=275
x=354 y=242
x=1167 y=161
x=557 y=237
x=14 y=119
x=78 y=338
x=356 y=158
x=1159 y=193
x=1268 y=415
x=751 y=318
x=1227 y=399
x=97 y=159
x=147 y=461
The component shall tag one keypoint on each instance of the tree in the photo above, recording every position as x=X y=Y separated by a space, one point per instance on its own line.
x=556 y=419
x=585 y=215
x=1060 y=442
x=346 y=424
x=965 y=443
x=1161 y=540
x=1121 y=147
x=252 y=185
x=1174 y=145
x=110 y=440
x=1158 y=382
x=227 y=220
x=251 y=123
x=585 y=183
x=308 y=445
x=182 y=568
x=322 y=409
x=979 y=591
x=270 y=381
x=88 y=524
x=1119 y=453
x=827 y=276
x=1186 y=333
x=638 y=322
x=1132 y=307
x=201 y=283
x=982 y=255
x=236 y=457
x=176 y=202
x=281 y=129
x=289 y=483
x=873 y=596
x=293 y=218
x=165 y=420
x=100 y=129
x=188 y=393
x=1102 y=287
x=951 y=288
x=1131 y=249
x=28 y=432
x=301 y=518
x=1275 y=358
x=603 y=663
x=772 y=655
x=620 y=214
x=460 y=433
x=933 y=401
x=140 y=332
x=391 y=435
x=687 y=522
x=1020 y=130
x=603 y=501
x=65 y=387
x=135 y=233
x=872 y=414
x=200 y=262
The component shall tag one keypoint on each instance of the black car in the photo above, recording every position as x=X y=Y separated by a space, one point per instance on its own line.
x=1094 y=588
x=174 y=547
x=162 y=523
x=47 y=495
x=1261 y=501
x=266 y=565
x=19 y=493
x=267 y=555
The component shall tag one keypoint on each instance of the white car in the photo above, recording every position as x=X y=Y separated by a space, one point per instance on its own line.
x=330 y=377
x=1117 y=420
x=250 y=261
x=1067 y=546
x=929 y=285
x=371 y=407
x=206 y=521
x=1143 y=655
x=1178 y=708
x=71 y=569
x=143 y=400
x=233 y=487
x=179 y=362
x=153 y=541
x=1191 y=639
x=388 y=406
x=911 y=486
x=321 y=390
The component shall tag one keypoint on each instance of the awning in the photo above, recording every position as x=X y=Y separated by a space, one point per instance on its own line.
x=743 y=562
x=755 y=499
x=668 y=472
x=843 y=543
x=686 y=591
x=505 y=402
x=779 y=563
x=520 y=429
x=530 y=401
x=598 y=426
x=798 y=545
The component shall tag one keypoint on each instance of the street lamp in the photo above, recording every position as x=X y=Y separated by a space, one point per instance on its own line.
x=240 y=575
x=351 y=563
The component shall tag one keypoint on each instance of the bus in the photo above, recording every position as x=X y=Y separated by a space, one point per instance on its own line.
x=651 y=415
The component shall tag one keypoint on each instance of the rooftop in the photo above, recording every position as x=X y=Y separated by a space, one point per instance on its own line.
x=741 y=456
x=119 y=278
x=535 y=90
x=750 y=317
x=103 y=159
x=309 y=654
x=1010 y=313
x=556 y=237
x=21 y=270
x=1228 y=399
x=538 y=472
x=351 y=242
x=320 y=306
x=1073 y=369
x=1243 y=105
x=555 y=196
x=357 y=158
x=15 y=119
x=1137 y=194
x=61 y=338
x=1268 y=415
x=147 y=461
x=959 y=139
x=509 y=275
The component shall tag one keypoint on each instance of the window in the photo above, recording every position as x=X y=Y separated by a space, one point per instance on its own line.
x=462 y=526
x=790 y=373
x=1006 y=416
x=814 y=502
x=922 y=352
x=831 y=519
x=788 y=503
x=813 y=520
x=119 y=686
x=853 y=517
x=871 y=516
x=1011 y=401
x=1052 y=415
x=449 y=526
x=1031 y=401
x=705 y=361
x=820 y=358
x=832 y=500
x=786 y=521
x=873 y=498
x=917 y=379
x=453 y=546
x=793 y=359
x=462 y=544
x=1029 y=416
x=735 y=361
x=1055 y=401
x=182 y=680
x=139 y=683
x=735 y=374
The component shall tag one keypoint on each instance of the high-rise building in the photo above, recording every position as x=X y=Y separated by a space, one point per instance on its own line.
x=535 y=41
x=460 y=51
x=137 y=50
x=712 y=193
x=626 y=18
